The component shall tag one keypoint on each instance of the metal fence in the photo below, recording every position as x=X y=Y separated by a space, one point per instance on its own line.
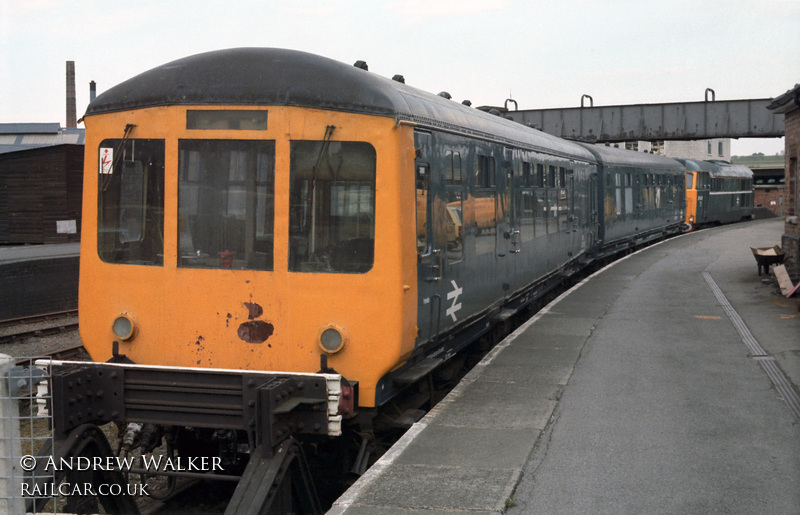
x=25 y=433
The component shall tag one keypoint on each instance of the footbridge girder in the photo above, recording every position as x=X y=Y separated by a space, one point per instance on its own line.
x=651 y=122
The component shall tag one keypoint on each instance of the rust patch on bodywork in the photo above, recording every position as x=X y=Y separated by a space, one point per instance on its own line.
x=253 y=310
x=255 y=331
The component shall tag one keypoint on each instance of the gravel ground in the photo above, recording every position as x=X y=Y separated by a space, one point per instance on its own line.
x=39 y=346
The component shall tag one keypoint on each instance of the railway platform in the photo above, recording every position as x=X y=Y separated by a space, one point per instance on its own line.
x=36 y=279
x=666 y=382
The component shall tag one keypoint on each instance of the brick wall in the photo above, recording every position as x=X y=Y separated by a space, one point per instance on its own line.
x=38 y=286
x=770 y=198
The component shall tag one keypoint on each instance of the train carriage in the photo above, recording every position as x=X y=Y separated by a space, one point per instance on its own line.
x=642 y=194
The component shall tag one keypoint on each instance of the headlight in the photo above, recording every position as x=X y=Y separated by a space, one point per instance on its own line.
x=332 y=339
x=124 y=326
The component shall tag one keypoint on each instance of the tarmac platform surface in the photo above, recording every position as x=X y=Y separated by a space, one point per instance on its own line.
x=15 y=253
x=664 y=383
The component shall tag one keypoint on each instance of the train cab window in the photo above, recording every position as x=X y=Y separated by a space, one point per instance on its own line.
x=226 y=204
x=331 y=206
x=551 y=177
x=130 y=208
x=539 y=182
x=704 y=181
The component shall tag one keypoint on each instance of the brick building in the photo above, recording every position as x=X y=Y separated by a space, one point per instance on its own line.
x=788 y=104
x=768 y=180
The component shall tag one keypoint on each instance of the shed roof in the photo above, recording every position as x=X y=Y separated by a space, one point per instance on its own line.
x=29 y=128
x=16 y=137
x=787 y=102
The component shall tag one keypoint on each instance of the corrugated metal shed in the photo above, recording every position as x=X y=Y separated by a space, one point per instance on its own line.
x=25 y=136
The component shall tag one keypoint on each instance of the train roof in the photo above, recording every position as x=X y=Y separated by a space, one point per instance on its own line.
x=621 y=157
x=269 y=76
x=717 y=168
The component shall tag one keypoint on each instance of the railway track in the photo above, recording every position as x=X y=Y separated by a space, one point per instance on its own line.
x=73 y=353
x=15 y=329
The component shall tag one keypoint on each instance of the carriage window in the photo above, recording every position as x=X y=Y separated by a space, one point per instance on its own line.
x=453 y=171
x=540 y=212
x=423 y=211
x=130 y=202
x=526 y=226
x=552 y=210
x=454 y=226
x=226 y=204
x=539 y=176
x=485 y=172
x=331 y=206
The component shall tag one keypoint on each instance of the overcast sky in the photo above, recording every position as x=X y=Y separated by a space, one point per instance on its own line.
x=540 y=53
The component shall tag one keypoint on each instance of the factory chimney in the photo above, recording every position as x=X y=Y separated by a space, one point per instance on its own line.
x=72 y=118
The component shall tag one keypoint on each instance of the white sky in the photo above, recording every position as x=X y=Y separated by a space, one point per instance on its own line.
x=543 y=53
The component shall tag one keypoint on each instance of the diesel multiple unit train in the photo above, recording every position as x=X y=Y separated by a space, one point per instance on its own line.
x=276 y=246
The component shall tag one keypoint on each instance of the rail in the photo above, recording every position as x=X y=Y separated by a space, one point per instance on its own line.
x=14 y=329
